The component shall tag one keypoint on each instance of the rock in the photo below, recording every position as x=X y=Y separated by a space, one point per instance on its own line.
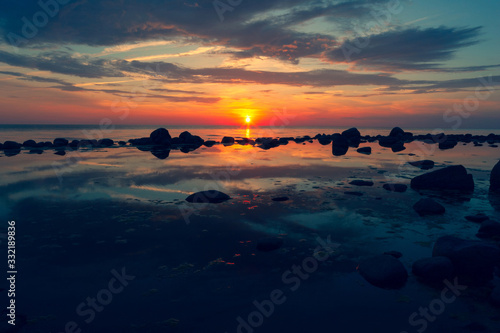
x=495 y=296
x=160 y=153
x=106 y=142
x=189 y=139
x=12 y=152
x=433 y=270
x=227 y=140
x=340 y=145
x=60 y=142
x=495 y=178
x=324 y=140
x=397 y=132
x=60 y=152
x=11 y=145
x=351 y=133
x=395 y=187
x=89 y=143
x=358 y=194
x=478 y=218
x=395 y=254
x=424 y=164
x=74 y=144
x=448 y=144
x=36 y=151
x=450 y=178
x=280 y=199
x=160 y=136
x=397 y=147
x=489 y=229
x=210 y=196
x=209 y=143
x=428 y=207
x=29 y=143
x=383 y=271
x=141 y=142
x=474 y=259
x=122 y=143
x=365 y=150
x=269 y=143
x=359 y=182
x=269 y=244
x=388 y=141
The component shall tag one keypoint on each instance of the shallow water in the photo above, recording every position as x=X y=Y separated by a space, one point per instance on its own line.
x=195 y=266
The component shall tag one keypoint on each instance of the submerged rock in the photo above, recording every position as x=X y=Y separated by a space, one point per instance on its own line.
x=383 y=271
x=495 y=178
x=365 y=150
x=433 y=270
x=450 y=178
x=428 y=206
x=269 y=244
x=395 y=187
x=210 y=196
x=280 y=199
x=160 y=153
x=424 y=164
x=474 y=259
x=359 y=182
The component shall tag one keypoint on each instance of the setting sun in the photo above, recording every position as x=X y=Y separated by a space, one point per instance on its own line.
x=248 y=119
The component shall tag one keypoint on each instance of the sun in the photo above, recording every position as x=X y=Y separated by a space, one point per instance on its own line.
x=248 y=119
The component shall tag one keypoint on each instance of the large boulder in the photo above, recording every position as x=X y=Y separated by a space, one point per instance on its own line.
x=210 y=196
x=60 y=142
x=397 y=132
x=495 y=178
x=351 y=133
x=474 y=259
x=11 y=145
x=160 y=136
x=340 y=145
x=450 y=178
x=433 y=270
x=383 y=271
x=428 y=206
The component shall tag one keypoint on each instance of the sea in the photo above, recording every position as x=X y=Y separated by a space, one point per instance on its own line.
x=105 y=241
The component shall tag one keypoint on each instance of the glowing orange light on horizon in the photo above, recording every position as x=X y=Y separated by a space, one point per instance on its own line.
x=248 y=119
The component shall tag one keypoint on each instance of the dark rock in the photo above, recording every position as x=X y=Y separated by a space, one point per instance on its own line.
x=340 y=145
x=187 y=138
x=474 y=259
x=60 y=152
x=60 y=142
x=495 y=178
x=433 y=270
x=388 y=141
x=495 y=296
x=351 y=133
x=11 y=145
x=324 y=140
x=397 y=132
x=36 y=151
x=478 y=218
x=424 y=164
x=29 y=143
x=122 y=143
x=209 y=143
x=160 y=136
x=280 y=199
x=74 y=144
x=450 y=178
x=428 y=207
x=106 y=142
x=11 y=152
x=358 y=194
x=365 y=150
x=210 y=196
x=448 y=144
x=395 y=187
x=141 y=142
x=489 y=229
x=359 y=182
x=282 y=141
x=160 y=153
x=269 y=244
x=397 y=147
x=227 y=140
x=395 y=254
x=383 y=271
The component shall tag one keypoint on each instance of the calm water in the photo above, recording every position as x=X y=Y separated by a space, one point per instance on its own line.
x=84 y=218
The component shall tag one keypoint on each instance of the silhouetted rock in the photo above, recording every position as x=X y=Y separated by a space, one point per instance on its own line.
x=340 y=145
x=428 y=206
x=433 y=270
x=423 y=164
x=227 y=140
x=29 y=143
x=282 y=141
x=474 y=259
x=397 y=132
x=105 y=142
x=395 y=187
x=60 y=152
x=280 y=199
x=74 y=144
x=161 y=153
x=37 y=151
x=189 y=139
x=495 y=178
x=388 y=141
x=210 y=196
x=209 y=143
x=122 y=143
x=489 y=229
x=395 y=254
x=383 y=271
x=448 y=144
x=478 y=218
x=365 y=150
x=11 y=145
x=351 y=133
x=141 y=142
x=160 y=136
x=450 y=178
x=359 y=182
x=397 y=147
x=269 y=244
x=11 y=152
x=324 y=140
x=60 y=142
x=269 y=143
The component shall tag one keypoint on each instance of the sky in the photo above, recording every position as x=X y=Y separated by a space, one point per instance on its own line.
x=380 y=63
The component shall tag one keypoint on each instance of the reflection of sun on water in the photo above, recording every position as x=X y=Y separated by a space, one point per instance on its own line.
x=248 y=120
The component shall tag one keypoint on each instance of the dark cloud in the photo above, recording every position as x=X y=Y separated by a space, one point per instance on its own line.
x=410 y=49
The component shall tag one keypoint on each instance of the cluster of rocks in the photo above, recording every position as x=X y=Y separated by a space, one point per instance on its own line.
x=12 y=148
